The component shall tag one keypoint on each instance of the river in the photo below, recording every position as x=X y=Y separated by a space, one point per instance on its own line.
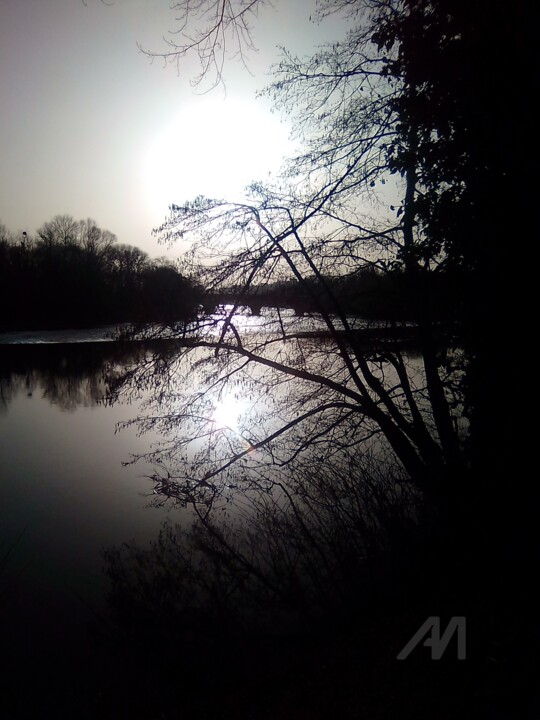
x=65 y=492
x=64 y=496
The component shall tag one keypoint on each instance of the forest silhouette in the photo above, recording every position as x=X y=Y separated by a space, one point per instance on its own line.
x=74 y=274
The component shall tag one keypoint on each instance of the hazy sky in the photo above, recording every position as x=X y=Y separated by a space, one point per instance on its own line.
x=91 y=128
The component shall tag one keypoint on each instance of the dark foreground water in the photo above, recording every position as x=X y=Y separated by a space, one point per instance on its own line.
x=64 y=497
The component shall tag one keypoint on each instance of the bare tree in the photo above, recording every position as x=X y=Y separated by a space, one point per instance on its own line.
x=338 y=426
x=339 y=397
x=212 y=30
x=337 y=210
x=92 y=239
x=62 y=230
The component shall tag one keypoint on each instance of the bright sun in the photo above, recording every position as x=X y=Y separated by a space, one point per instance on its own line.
x=213 y=147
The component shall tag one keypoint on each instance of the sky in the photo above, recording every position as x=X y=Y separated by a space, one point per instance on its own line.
x=91 y=128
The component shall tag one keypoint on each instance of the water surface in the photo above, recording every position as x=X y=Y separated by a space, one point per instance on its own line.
x=64 y=494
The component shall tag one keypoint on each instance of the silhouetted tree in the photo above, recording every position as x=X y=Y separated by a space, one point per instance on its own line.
x=61 y=230
x=346 y=105
x=396 y=112
x=76 y=274
x=210 y=30
x=389 y=114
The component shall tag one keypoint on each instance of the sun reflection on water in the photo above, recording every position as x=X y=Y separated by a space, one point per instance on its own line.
x=227 y=412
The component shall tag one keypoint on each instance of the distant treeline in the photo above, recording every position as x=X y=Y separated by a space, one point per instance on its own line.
x=74 y=274
x=369 y=293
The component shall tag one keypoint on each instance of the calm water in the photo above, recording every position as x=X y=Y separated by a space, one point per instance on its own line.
x=64 y=492
x=64 y=495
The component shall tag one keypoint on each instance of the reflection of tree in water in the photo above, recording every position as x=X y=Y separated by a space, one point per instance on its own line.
x=295 y=543
x=68 y=375
x=291 y=486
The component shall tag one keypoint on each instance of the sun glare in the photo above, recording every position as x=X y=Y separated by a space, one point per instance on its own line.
x=213 y=147
x=227 y=413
